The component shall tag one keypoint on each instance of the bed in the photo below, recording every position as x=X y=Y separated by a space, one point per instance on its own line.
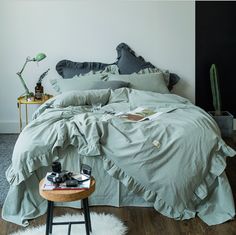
x=175 y=163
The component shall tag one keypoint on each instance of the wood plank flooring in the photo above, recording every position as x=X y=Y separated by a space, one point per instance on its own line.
x=146 y=221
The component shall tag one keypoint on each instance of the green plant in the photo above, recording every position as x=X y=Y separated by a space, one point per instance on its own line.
x=215 y=89
x=42 y=76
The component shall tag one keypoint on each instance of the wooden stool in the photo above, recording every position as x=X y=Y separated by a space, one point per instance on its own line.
x=67 y=196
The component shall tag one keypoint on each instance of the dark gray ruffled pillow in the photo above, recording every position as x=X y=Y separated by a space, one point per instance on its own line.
x=68 y=69
x=174 y=78
x=129 y=63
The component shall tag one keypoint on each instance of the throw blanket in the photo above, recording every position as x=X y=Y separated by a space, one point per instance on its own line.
x=176 y=162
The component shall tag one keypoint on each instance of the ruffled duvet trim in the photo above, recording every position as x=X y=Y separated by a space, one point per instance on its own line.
x=148 y=195
x=15 y=178
x=217 y=168
x=46 y=158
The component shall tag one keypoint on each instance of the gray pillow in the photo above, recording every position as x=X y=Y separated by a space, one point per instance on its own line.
x=75 y=98
x=63 y=85
x=110 y=84
x=148 y=82
x=75 y=83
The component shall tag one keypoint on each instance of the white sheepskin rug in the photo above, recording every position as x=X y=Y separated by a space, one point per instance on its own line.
x=102 y=224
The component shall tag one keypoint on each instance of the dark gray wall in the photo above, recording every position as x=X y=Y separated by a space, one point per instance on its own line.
x=216 y=43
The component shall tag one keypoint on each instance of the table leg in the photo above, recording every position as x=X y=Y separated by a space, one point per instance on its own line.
x=69 y=229
x=89 y=220
x=26 y=114
x=87 y=216
x=20 y=115
x=49 y=218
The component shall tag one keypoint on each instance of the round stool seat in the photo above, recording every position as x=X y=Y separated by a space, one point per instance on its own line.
x=66 y=195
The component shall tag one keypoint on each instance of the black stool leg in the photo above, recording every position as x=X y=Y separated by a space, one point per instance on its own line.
x=89 y=220
x=86 y=216
x=49 y=218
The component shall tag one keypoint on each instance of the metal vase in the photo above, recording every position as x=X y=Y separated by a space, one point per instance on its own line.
x=225 y=122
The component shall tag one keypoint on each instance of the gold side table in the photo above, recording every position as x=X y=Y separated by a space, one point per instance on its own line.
x=21 y=100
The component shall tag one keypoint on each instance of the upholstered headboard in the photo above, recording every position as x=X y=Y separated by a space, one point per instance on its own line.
x=127 y=62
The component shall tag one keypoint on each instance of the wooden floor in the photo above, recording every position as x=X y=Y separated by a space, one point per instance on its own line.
x=146 y=221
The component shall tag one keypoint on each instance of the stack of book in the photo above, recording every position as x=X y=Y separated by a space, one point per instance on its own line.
x=83 y=183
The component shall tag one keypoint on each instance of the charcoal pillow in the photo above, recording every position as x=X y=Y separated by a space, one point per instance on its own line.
x=68 y=69
x=148 y=82
x=128 y=62
x=174 y=78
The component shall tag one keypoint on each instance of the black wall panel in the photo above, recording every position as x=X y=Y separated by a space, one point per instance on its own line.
x=216 y=43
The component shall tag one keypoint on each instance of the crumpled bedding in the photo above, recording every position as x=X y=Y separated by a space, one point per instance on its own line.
x=182 y=176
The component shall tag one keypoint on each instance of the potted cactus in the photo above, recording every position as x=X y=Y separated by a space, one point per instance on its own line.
x=224 y=119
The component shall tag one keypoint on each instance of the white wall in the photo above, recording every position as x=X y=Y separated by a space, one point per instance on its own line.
x=162 y=32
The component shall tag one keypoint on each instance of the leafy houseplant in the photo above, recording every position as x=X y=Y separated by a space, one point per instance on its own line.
x=224 y=119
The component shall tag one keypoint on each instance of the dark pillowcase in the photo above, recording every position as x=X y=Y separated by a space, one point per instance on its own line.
x=174 y=78
x=68 y=69
x=128 y=62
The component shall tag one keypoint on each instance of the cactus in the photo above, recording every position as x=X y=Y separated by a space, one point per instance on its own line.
x=215 y=89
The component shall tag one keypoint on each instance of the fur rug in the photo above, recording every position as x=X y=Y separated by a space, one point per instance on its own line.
x=102 y=224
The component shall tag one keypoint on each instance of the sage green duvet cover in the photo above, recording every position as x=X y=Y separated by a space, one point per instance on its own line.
x=175 y=163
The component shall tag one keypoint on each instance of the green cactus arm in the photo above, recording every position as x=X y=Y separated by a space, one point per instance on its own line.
x=218 y=98
x=215 y=89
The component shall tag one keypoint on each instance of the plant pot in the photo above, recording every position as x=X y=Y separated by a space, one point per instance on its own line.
x=225 y=122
